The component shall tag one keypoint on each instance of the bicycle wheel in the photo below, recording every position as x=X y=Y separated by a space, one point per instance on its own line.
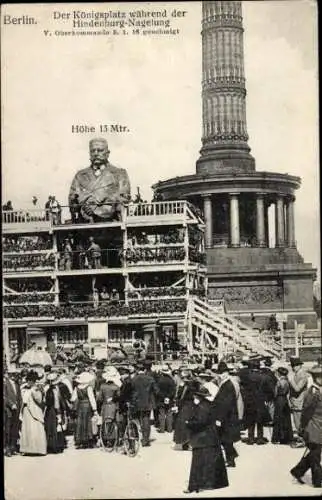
x=109 y=435
x=132 y=438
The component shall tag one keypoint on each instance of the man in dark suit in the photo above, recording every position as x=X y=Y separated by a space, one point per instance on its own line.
x=226 y=414
x=253 y=392
x=167 y=389
x=145 y=389
x=12 y=406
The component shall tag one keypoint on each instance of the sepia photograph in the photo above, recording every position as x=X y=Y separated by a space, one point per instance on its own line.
x=161 y=250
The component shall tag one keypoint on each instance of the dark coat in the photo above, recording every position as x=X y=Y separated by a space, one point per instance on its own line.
x=202 y=428
x=208 y=470
x=167 y=388
x=126 y=394
x=311 y=417
x=11 y=397
x=252 y=386
x=269 y=383
x=225 y=411
x=145 y=391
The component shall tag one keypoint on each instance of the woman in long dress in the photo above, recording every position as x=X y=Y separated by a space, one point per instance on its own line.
x=54 y=415
x=86 y=408
x=183 y=406
x=32 y=437
x=208 y=470
x=282 y=424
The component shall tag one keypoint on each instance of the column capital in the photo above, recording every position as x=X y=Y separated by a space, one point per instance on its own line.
x=206 y=196
x=233 y=194
x=260 y=195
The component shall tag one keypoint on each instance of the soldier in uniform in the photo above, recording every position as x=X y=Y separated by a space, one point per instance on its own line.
x=102 y=188
x=311 y=430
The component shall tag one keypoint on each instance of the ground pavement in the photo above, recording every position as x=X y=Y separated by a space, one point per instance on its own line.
x=157 y=472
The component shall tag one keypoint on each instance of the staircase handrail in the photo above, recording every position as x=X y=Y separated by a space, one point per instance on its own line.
x=218 y=322
x=251 y=336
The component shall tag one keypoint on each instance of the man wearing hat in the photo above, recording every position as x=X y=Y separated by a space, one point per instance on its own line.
x=298 y=380
x=12 y=404
x=226 y=414
x=145 y=391
x=311 y=430
x=255 y=410
x=167 y=389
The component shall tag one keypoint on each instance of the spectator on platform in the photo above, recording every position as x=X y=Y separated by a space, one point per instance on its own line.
x=47 y=207
x=67 y=255
x=82 y=260
x=8 y=206
x=115 y=296
x=55 y=210
x=94 y=253
x=75 y=209
x=105 y=296
x=96 y=298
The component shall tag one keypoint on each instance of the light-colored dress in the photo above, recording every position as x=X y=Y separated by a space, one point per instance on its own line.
x=32 y=436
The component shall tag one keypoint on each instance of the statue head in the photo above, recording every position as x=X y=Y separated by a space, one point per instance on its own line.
x=98 y=152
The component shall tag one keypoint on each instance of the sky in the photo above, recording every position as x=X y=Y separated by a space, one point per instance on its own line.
x=152 y=86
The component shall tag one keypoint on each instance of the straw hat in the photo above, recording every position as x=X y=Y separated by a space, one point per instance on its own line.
x=53 y=377
x=85 y=378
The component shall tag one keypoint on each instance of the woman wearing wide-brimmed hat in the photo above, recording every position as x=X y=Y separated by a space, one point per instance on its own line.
x=208 y=470
x=32 y=434
x=282 y=424
x=55 y=410
x=84 y=398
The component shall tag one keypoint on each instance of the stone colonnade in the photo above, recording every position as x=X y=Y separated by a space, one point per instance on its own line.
x=284 y=220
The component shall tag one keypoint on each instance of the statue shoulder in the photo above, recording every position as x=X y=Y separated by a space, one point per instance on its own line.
x=83 y=171
x=119 y=170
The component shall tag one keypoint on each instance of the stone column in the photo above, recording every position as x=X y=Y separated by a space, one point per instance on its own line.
x=260 y=220
x=279 y=222
x=266 y=222
x=234 y=220
x=290 y=223
x=207 y=210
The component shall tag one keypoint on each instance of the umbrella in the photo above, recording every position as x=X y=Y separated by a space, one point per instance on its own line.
x=33 y=357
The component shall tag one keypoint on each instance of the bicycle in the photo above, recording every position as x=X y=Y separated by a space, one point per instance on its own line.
x=130 y=441
x=131 y=437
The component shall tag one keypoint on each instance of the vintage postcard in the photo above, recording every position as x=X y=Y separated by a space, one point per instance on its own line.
x=161 y=249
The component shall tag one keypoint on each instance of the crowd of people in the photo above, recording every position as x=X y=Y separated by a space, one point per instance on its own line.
x=26 y=243
x=14 y=298
x=95 y=310
x=205 y=407
x=30 y=261
x=162 y=254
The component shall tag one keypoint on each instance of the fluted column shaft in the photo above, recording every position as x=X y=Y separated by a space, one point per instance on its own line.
x=290 y=224
x=260 y=220
x=234 y=220
x=279 y=222
x=207 y=210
